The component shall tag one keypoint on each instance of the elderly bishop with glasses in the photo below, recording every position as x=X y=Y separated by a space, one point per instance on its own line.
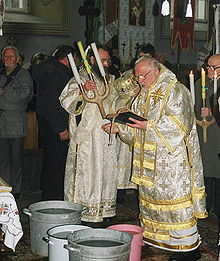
x=211 y=149
x=167 y=163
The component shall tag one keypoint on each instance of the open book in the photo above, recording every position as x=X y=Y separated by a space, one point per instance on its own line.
x=123 y=116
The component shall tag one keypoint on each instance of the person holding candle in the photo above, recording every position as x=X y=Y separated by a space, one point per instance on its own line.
x=211 y=149
x=51 y=76
x=167 y=163
x=90 y=177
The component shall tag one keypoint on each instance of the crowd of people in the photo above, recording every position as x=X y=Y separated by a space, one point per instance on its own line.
x=87 y=158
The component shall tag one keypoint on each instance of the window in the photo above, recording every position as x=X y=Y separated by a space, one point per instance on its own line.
x=36 y=17
x=16 y=6
x=201 y=19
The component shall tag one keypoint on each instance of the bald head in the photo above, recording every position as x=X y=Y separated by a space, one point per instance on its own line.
x=213 y=65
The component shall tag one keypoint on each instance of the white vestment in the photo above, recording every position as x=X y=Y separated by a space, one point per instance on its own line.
x=90 y=177
x=167 y=165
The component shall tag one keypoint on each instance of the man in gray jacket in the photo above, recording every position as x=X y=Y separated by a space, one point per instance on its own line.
x=16 y=88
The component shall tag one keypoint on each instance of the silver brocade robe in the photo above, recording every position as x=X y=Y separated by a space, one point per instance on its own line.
x=90 y=176
x=125 y=91
x=167 y=164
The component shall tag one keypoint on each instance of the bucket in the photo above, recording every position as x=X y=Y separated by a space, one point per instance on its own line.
x=57 y=238
x=99 y=244
x=47 y=214
x=137 y=241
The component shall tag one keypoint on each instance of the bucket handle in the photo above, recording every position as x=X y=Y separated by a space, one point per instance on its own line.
x=71 y=248
x=27 y=211
x=84 y=209
x=47 y=241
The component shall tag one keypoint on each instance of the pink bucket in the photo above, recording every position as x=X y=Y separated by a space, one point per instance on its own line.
x=137 y=241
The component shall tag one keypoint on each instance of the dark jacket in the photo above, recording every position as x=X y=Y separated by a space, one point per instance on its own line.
x=51 y=77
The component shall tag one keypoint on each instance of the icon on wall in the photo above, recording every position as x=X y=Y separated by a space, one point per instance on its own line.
x=137 y=12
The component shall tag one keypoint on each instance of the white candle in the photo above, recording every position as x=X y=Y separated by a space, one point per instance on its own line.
x=192 y=87
x=74 y=68
x=215 y=89
x=98 y=60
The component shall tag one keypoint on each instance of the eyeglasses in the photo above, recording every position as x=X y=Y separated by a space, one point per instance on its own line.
x=212 y=67
x=143 y=77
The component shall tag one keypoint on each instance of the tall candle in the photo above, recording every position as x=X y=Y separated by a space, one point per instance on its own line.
x=192 y=87
x=203 y=77
x=87 y=66
x=98 y=60
x=215 y=89
x=74 y=68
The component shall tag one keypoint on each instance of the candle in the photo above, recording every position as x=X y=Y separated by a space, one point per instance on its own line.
x=98 y=60
x=203 y=77
x=192 y=87
x=87 y=66
x=215 y=89
x=74 y=68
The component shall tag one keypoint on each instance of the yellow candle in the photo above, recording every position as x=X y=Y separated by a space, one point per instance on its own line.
x=203 y=77
x=203 y=93
x=87 y=66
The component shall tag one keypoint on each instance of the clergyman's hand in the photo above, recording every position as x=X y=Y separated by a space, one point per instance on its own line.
x=206 y=112
x=64 y=135
x=110 y=128
x=89 y=85
x=137 y=124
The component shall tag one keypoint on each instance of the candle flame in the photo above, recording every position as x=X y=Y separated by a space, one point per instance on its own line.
x=191 y=72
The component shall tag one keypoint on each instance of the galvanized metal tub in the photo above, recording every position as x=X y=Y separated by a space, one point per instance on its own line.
x=47 y=214
x=99 y=244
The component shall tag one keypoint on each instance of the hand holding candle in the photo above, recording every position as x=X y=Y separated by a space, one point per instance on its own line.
x=192 y=87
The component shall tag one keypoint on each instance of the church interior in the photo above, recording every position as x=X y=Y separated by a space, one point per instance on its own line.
x=184 y=42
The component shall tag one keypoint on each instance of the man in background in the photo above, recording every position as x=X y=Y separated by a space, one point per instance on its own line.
x=211 y=149
x=51 y=76
x=16 y=87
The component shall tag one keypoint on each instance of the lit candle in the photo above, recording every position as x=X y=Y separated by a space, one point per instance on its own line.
x=74 y=68
x=215 y=89
x=87 y=66
x=192 y=87
x=98 y=60
x=203 y=77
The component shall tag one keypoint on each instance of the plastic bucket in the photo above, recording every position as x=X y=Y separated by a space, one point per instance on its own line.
x=57 y=238
x=98 y=245
x=47 y=214
x=137 y=241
